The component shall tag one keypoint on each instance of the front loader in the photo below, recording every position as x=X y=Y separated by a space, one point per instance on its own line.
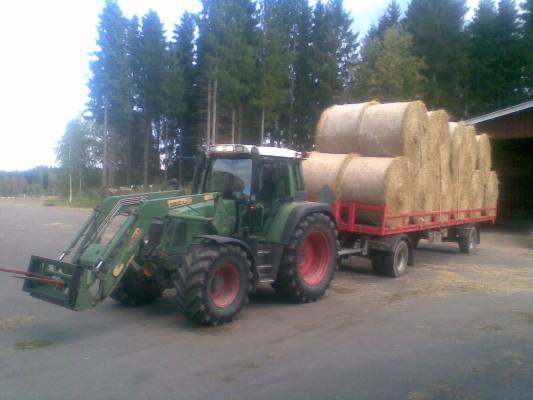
x=247 y=222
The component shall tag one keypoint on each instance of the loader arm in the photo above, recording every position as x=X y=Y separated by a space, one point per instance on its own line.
x=96 y=267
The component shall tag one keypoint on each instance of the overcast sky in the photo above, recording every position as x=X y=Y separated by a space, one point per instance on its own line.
x=44 y=69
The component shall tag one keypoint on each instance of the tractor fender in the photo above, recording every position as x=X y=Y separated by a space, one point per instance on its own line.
x=229 y=240
x=300 y=211
x=388 y=244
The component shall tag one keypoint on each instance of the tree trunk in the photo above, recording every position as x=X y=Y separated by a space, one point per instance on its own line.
x=111 y=160
x=215 y=101
x=232 y=124
x=80 y=188
x=209 y=106
x=147 y=134
x=104 y=158
x=167 y=153
x=239 y=128
x=129 y=157
x=262 y=127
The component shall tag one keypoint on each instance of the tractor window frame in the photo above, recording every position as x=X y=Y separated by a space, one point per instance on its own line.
x=260 y=190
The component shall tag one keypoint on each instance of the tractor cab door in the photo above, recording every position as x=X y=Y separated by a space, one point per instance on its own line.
x=273 y=189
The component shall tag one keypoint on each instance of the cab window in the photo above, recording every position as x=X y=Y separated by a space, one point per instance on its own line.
x=229 y=176
x=274 y=182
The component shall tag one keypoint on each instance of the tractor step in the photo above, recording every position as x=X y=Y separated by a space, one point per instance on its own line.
x=264 y=273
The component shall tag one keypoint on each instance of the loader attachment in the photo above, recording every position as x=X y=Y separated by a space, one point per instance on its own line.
x=56 y=282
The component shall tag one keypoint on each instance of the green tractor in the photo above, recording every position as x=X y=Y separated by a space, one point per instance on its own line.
x=247 y=222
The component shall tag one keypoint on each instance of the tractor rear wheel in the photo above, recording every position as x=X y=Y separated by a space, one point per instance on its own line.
x=135 y=289
x=309 y=261
x=214 y=283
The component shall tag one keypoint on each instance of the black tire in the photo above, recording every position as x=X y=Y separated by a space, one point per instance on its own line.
x=415 y=240
x=467 y=243
x=395 y=262
x=305 y=274
x=205 y=268
x=378 y=263
x=135 y=289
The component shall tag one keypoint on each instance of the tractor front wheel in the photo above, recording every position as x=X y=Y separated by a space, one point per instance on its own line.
x=309 y=261
x=214 y=283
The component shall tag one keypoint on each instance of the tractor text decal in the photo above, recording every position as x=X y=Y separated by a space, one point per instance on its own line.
x=183 y=201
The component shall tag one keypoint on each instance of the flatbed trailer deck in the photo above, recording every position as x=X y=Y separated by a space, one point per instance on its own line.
x=390 y=245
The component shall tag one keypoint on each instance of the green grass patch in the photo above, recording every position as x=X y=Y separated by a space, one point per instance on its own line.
x=85 y=200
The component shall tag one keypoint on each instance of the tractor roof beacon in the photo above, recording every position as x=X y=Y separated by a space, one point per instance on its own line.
x=247 y=221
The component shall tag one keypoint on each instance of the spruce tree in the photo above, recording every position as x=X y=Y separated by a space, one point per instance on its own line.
x=110 y=86
x=389 y=70
x=274 y=59
x=497 y=57
x=510 y=58
x=152 y=56
x=391 y=17
x=438 y=34
x=527 y=45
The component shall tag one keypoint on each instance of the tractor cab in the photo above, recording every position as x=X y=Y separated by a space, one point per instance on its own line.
x=257 y=180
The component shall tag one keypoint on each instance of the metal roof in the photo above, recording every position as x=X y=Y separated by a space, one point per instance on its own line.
x=500 y=113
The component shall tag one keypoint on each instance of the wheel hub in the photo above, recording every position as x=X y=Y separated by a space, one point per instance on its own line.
x=315 y=254
x=225 y=284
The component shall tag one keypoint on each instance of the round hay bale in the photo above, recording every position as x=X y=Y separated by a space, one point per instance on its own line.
x=457 y=149
x=471 y=149
x=490 y=199
x=484 y=158
x=339 y=127
x=447 y=193
x=395 y=129
x=439 y=132
x=377 y=181
x=426 y=190
x=324 y=170
x=477 y=193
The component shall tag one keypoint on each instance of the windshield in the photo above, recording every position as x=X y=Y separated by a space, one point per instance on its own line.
x=230 y=176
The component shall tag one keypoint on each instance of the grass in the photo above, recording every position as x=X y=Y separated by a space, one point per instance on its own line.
x=85 y=200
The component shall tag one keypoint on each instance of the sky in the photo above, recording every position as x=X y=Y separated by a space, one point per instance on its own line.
x=45 y=49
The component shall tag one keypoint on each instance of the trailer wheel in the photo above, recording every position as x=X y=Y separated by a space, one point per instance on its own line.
x=468 y=241
x=395 y=262
x=134 y=289
x=378 y=263
x=309 y=260
x=214 y=283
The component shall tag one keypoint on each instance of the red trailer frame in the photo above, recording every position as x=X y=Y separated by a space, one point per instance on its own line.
x=346 y=216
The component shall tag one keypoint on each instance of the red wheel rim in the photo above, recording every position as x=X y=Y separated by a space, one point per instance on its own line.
x=315 y=255
x=224 y=286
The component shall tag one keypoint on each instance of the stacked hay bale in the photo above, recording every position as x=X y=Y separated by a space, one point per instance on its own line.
x=440 y=152
x=402 y=157
x=339 y=127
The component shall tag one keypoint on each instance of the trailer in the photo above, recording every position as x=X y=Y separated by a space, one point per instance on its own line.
x=390 y=248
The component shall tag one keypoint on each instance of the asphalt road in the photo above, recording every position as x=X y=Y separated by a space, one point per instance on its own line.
x=456 y=327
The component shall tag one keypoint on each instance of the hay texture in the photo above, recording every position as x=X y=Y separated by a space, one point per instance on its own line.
x=324 y=170
x=446 y=198
x=395 y=129
x=378 y=181
x=425 y=190
x=476 y=194
x=339 y=127
x=458 y=160
x=471 y=149
x=439 y=139
x=490 y=198
x=484 y=158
